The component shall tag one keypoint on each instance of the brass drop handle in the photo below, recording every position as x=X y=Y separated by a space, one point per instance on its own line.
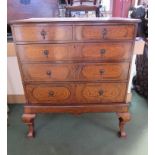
x=104 y=32
x=102 y=51
x=46 y=53
x=49 y=73
x=101 y=71
x=43 y=34
x=100 y=92
x=51 y=93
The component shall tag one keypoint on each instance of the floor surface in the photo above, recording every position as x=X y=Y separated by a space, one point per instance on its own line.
x=87 y=134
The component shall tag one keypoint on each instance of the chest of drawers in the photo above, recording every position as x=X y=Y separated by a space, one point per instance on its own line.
x=75 y=65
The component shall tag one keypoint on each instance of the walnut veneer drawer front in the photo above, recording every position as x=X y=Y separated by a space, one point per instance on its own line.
x=46 y=52
x=105 y=51
x=40 y=32
x=70 y=52
x=104 y=32
x=87 y=93
x=105 y=71
x=75 y=72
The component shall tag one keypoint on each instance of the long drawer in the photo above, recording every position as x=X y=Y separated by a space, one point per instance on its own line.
x=86 y=93
x=75 y=72
x=79 y=51
x=104 y=32
x=42 y=32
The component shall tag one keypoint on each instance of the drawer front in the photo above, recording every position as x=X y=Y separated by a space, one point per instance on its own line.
x=47 y=72
x=54 y=94
x=87 y=93
x=46 y=52
x=45 y=32
x=104 y=32
x=101 y=92
x=105 y=51
x=62 y=52
x=75 y=72
x=105 y=71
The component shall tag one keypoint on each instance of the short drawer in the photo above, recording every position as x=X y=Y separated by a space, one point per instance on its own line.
x=109 y=32
x=50 y=93
x=79 y=51
x=105 y=51
x=45 y=52
x=42 y=32
x=105 y=71
x=75 y=72
x=86 y=93
x=101 y=92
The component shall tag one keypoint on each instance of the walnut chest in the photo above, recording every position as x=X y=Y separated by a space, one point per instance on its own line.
x=75 y=65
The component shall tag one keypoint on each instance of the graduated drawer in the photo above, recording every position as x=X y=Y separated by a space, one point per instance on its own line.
x=86 y=93
x=80 y=51
x=75 y=72
x=104 y=32
x=42 y=32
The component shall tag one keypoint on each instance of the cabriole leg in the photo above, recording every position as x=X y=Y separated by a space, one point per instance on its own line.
x=123 y=119
x=29 y=120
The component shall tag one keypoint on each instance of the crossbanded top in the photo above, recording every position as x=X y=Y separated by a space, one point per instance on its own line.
x=76 y=19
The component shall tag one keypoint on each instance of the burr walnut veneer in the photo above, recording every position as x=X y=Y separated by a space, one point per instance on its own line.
x=75 y=65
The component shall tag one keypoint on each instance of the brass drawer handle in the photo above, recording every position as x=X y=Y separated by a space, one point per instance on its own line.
x=100 y=92
x=43 y=34
x=46 y=53
x=51 y=93
x=49 y=73
x=101 y=71
x=104 y=32
x=102 y=51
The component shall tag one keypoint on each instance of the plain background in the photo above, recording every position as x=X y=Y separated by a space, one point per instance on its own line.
x=3 y=77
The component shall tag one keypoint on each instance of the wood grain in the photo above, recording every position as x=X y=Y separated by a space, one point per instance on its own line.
x=42 y=32
x=75 y=72
x=104 y=32
x=76 y=109
x=75 y=52
x=75 y=93
x=83 y=21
